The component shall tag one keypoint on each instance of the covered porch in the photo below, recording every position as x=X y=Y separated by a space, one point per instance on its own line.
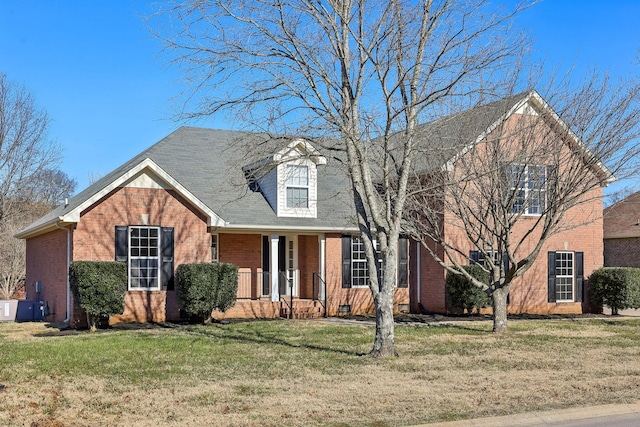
x=280 y=274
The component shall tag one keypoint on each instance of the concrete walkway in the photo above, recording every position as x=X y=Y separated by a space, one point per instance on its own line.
x=547 y=418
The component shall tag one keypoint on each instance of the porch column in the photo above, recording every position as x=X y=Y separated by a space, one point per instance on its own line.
x=275 y=274
x=322 y=266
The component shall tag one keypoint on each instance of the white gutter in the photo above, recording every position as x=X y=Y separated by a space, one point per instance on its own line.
x=316 y=229
x=68 y=319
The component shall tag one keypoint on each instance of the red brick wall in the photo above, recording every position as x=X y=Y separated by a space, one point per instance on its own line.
x=308 y=262
x=623 y=252
x=582 y=232
x=47 y=264
x=432 y=276
x=359 y=299
x=94 y=239
x=243 y=250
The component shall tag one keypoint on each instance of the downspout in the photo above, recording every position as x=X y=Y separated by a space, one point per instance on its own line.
x=68 y=319
x=419 y=276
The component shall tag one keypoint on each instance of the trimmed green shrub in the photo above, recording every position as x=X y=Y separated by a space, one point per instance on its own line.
x=463 y=294
x=615 y=287
x=228 y=287
x=99 y=288
x=204 y=287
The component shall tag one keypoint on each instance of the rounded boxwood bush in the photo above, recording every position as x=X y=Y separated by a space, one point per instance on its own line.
x=463 y=294
x=205 y=287
x=615 y=287
x=99 y=288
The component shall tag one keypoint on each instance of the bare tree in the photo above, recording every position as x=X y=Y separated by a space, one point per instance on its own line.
x=536 y=171
x=30 y=184
x=363 y=72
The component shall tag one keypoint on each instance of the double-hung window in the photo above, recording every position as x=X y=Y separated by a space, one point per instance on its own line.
x=355 y=273
x=144 y=261
x=564 y=276
x=148 y=252
x=359 y=266
x=297 y=186
x=528 y=187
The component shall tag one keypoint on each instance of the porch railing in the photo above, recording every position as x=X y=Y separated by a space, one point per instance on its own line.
x=250 y=283
x=256 y=285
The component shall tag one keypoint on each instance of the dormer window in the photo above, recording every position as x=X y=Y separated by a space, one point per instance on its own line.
x=288 y=180
x=297 y=183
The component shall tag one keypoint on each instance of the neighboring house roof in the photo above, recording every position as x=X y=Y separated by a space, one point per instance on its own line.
x=622 y=219
x=208 y=168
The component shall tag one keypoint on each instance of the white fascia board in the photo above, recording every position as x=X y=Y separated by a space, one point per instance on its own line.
x=315 y=229
x=309 y=150
x=284 y=155
x=44 y=228
x=212 y=218
x=535 y=97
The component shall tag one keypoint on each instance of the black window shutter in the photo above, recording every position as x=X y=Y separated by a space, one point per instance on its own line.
x=505 y=262
x=552 y=276
x=474 y=256
x=579 y=275
x=122 y=243
x=403 y=262
x=346 y=261
x=166 y=278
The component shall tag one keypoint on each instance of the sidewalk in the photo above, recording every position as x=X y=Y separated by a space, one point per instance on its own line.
x=545 y=418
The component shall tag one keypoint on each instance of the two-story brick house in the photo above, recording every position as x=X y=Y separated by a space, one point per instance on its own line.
x=286 y=221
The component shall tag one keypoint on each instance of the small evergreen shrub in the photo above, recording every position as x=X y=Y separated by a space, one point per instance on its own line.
x=615 y=287
x=463 y=294
x=99 y=288
x=228 y=287
x=204 y=287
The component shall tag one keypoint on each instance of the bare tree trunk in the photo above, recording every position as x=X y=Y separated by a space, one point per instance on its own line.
x=499 y=298
x=384 y=343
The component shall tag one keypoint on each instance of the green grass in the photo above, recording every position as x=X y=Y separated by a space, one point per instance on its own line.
x=312 y=373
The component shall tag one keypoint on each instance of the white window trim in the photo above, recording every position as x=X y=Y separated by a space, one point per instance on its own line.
x=130 y=257
x=526 y=190
x=493 y=254
x=375 y=245
x=289 y=168
x=572 y=276
x=282 y=183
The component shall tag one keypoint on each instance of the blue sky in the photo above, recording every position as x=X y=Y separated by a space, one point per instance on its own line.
x=105 y=84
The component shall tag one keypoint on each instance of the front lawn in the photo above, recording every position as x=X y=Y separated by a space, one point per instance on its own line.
x=301 y=373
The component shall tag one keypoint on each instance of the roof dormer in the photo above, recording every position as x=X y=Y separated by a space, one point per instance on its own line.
x=288 y=180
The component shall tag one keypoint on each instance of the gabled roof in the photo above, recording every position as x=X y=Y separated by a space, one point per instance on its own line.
x=205 y=167
x=208 y=168
x=457 y=134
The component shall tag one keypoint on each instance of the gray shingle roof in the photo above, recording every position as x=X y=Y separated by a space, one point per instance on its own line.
x=208 y=162
x=442 y=139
